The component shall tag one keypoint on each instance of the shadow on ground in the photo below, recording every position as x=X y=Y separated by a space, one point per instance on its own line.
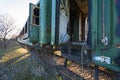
x=18 y=64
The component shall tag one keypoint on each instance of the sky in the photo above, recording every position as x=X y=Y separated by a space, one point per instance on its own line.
x=18 y=9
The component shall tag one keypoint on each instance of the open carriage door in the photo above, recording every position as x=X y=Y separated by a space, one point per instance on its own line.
x=34 y=23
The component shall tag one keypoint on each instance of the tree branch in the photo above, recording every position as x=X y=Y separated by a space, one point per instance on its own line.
x=6 y=25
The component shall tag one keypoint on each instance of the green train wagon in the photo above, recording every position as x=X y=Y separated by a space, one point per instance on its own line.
x=96 y=22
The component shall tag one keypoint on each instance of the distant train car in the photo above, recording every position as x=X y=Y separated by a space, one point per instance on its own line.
x=24 y=35
x=92 y=24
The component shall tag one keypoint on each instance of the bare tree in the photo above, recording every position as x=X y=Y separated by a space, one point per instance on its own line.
x=7 y=25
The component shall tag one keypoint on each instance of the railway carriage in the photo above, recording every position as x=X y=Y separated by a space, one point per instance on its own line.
x=82 y=28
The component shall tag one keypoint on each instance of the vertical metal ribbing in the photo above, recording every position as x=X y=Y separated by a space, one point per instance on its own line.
x=53 y=20
x=104 y=38
x=45 y=22
x=103 y=19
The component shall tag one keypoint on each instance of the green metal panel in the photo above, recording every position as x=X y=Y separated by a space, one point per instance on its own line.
x=94 y=23
x=53 y=22
x=34 y=29
x=45 y=21
x=105 y=55
x=34 y=34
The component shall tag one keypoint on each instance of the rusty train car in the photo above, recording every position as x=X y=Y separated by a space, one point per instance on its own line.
x=87 y=27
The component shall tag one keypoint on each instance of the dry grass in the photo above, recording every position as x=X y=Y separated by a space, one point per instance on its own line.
x=7 y=56
x=18 y=64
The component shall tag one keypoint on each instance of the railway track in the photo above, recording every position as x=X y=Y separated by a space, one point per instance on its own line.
x=53 y=68
x=56 y=68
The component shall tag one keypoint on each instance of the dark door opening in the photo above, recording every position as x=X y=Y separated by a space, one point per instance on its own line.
x=77 y=25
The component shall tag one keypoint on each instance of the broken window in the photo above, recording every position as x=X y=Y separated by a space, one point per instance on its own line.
x=35 y=17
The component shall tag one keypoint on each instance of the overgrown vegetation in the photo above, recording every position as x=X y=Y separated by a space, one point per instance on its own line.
x=18 y=64
x=8 y=44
